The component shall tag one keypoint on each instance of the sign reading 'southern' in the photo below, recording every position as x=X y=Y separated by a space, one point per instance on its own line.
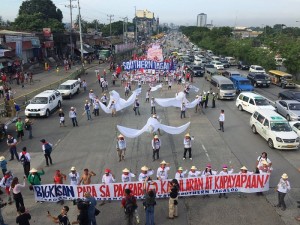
x=188 y=186
x=147 y=64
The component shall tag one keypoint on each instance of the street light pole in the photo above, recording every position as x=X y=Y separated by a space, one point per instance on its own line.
x=135 y=25
x=71 y=26
x=80 y=32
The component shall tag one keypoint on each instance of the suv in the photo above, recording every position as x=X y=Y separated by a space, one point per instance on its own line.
x=44 y=103
x=198 y=71
x=243 y=65
x=259 y=79
x=69 y=88
x=256 y=69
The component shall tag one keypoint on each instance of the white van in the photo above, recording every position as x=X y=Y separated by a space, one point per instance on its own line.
x=223 y=87
x=215 y=58
x=231 y=60
x=69 y=88
x=250 y=102
x=274 y=128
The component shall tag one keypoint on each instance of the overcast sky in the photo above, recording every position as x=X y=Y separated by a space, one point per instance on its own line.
x=180 y=12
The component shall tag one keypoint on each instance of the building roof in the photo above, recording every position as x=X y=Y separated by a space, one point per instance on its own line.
x=144 y=14
x=10 y=32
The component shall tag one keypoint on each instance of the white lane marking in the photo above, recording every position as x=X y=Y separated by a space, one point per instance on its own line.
x=57 y=142
x=206 y=153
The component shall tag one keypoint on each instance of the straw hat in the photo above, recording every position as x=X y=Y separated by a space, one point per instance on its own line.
x=284 y=176
x=244 y=168
x=156 y=136
x=26 y=120
x=154 y=116
x=180 y=168
x=125 y=170
x=163 y=162
x=264 y=162
x=187 y=135
x=60 y=110
x=144 y=168
x=73 y=168
x=86 y=100
x=33 y=170
x=193 y=168
x=72 y=107
x=2 y=158
x=91 y=90
x=120 y=136
x=197 y=96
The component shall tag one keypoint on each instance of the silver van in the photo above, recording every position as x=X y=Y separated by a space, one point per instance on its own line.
x=223 y=87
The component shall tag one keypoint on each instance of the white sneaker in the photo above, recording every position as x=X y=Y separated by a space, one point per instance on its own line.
x=191 y=158
x=183 y=159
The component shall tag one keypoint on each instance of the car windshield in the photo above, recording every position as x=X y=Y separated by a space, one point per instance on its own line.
x=288 y=77
x=259 y=68
x=245 y=82
x=227 y=87
x=197 y=68
x=261 y=77
x=39 y=100
x=219 y=64
x=261 y=101
x=64 y=87
x=223 y=61
x=209 y=66
x=294 y=106
x=280 y=126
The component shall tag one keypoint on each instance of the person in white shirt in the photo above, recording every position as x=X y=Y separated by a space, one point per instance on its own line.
x=170 y=84
x=74 y=176
x=146 y=172
x=92 y=96
x=208 y=172
x=225 y=172
x=194 y=172
x=182 y=110
x=180 y=173
x=104 y=99
x=244 y=170
x=222 y=120
x=265 y=168
x=148 y=95
x=282 y=188
x=96 y=106
x=156 y=143
x=108 y=177
x=187 y=144
x=121 y=147
x=152 y=103
x=15 y=188
x=73 y=116
x=261 y=159
x=127 y=175
x=162 y=171
x=113 y=108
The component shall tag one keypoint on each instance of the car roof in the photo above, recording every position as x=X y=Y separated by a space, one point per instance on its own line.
x=270 y=114
x=69 y=82
x=251 y=94
x=289 y=101
x=236 y=77
x=256 y=65
x=45 y=93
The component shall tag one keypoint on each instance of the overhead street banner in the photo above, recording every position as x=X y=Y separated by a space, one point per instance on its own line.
x=188 y=186
x=147 y=64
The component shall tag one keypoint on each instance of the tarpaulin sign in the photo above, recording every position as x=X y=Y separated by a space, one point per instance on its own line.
x=147 y=64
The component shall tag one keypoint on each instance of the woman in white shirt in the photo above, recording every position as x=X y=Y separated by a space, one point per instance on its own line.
x=16 y=189
x=282 y=188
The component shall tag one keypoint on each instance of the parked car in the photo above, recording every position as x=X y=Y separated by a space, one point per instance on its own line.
x=198 y=71
x=69 y=88
x=290 y=95
x=259 y=79
x=243 y=65
x=225 y=63
x=256 y=69
x=44 y=103
x=290 y=109
x=251 y=102
x=295 y=126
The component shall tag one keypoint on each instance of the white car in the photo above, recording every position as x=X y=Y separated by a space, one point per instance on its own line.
x=69 y=88
x=43 y=104
x=296 y=127
x=256 y=69
x=251 y=102
x=218 y=65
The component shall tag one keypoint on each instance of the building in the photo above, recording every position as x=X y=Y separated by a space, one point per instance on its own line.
x=245 y=32
x=146 y=23
x=201 y=20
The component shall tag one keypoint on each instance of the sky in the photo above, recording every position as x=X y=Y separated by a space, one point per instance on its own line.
x=222 y=13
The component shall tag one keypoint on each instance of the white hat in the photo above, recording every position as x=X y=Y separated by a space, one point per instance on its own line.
x=125 y=170
x=204 y=92
x=73 y=168
x=180 y=168
x=2 y=158
x=193 y=168
x=154 y=116
x=33 y=170
x=284 y=176
x=156 y=136
x=244 y=168
x=214 y=93
x=163 y=162
x=120 y=136
x=197 y=96
x=187 y=135
x=26 y=120
x=145 y=168
x=208 y=92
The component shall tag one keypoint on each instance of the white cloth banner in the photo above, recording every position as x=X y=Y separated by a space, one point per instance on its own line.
x=120 y=103
x=156 y=87
x=188 y=186
x=177 y=101
x=152 y=126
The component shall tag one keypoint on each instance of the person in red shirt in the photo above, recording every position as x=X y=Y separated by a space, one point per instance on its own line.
x=59 y=179
x=129 y=205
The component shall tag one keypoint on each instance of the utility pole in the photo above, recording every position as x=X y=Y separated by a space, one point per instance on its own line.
x=71 y=26
x=136 y=29
x=80 y=32
x=110 y=19
x=125 y=21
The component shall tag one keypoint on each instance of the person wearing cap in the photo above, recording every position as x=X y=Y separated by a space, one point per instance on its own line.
x=203 y=99
x=213 y=100
x=187 y=144
x=208 y=172
x=61 y=116
x=92 y=207
x=47 y=149
x=34 y=177
x=104 y=99
x=20 y=129
x=182 y=110
x=91 y=96
x=84 y=85
x=174 y=188
x=225 y=171
x=264 y=168
x=162 y=171
x=194 y=172
x=121 y=147
x=244 y=170
x=148 y=95
x=3 y=165
x=28 y=127
x=136 y=107
x=156 y=143
x=152 y=104
x=180 y=173
x=145 y=172
x=157 y=118
x=206 y=99
x=74 y=176
x=86 y=177
x=73 y=116
x=282 y=188
x=96 y=106
x=127 y=175
x=113 y=108
x=126 y=89
x=170 y=84
x=87 y=109
x=6 y=183
x=222 y=120
x=108 y=177
x=24 y=157
x=198 y=106
x=12 y=144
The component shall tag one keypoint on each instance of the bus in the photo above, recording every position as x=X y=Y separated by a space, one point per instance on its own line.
x=282 y=79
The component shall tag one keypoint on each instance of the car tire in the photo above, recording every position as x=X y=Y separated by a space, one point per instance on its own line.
x=240 y=107
x=59 y=105
x=270 y=143
x=70 y=96
x=255 y=84
x=47 y=113
x=77 y=92
x=254 y=131
x=283 y=86
x=288 y=118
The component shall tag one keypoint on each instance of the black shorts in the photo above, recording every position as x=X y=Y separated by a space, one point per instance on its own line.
x=20 y=133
